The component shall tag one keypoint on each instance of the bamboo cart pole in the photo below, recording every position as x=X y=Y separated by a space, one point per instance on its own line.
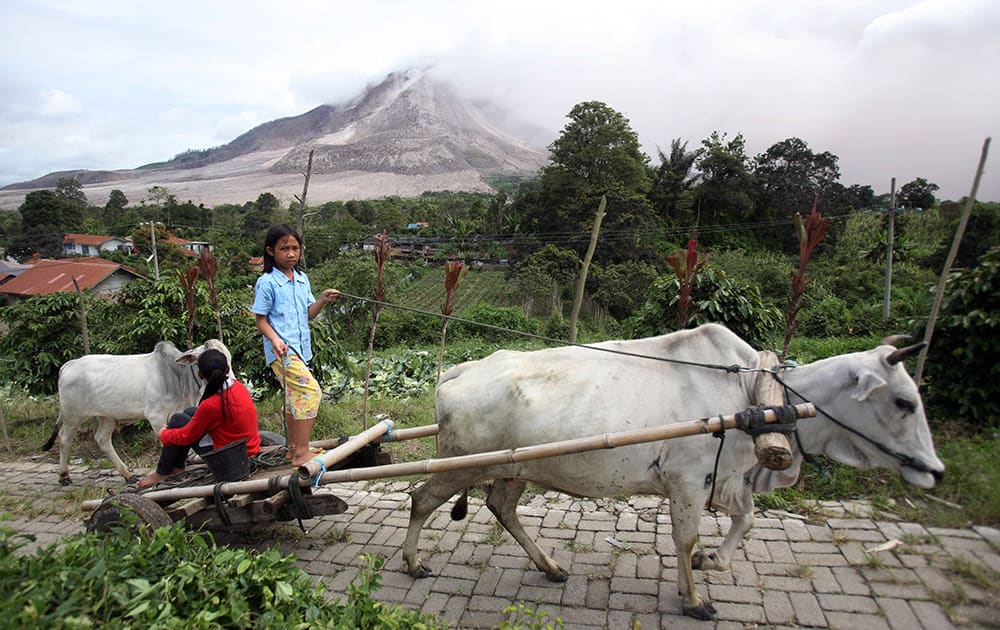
x=319 y=463
x=397 y=435
x=478 y=460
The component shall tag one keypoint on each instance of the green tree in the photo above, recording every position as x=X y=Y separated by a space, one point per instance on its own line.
x=596 y=154
x=673 y=182
x=789 y=175
x=725 y=194
x=114 y=209
x=71 y=189
x=917 y=194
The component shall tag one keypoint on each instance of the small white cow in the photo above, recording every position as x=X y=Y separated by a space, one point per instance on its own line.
x=514 y=399
x=125 y=388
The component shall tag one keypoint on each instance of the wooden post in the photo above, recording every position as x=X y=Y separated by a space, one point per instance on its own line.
x=939 y=294
x=302 y=207
x=6 y=437
x=83 y=318
x=772 y=449
x=888 y=252
x=581 y=280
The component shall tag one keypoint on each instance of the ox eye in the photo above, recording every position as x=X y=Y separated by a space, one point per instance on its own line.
x=905 y=406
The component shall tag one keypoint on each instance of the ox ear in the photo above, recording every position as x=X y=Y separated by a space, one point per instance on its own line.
x=191 y=356
x=898 y=356
x=867 y=383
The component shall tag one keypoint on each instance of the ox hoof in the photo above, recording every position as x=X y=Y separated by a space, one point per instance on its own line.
x=65 y=481
x=704 y=612
x=557 y=576
x=421 y=572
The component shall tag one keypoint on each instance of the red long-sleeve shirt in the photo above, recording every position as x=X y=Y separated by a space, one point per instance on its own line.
x=240 y=421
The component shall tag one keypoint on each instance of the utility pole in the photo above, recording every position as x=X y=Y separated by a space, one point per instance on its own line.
x=156 y=260
x=888 y=253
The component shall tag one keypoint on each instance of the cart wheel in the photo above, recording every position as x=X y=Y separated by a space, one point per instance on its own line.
x=109 y=513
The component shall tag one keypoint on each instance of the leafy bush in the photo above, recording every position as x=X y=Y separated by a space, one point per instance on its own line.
x=497 y=319
x=717 y=298
x=175 y=578
x=962 y=368
x=829 y=318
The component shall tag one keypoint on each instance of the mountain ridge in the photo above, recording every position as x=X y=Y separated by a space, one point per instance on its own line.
x=409 y=133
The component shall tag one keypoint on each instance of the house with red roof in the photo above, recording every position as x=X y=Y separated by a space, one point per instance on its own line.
x=98 y=275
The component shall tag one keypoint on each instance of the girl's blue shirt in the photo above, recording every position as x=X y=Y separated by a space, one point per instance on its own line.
x=286 y=304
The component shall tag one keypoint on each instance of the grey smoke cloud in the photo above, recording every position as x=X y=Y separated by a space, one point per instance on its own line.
x=895 y=88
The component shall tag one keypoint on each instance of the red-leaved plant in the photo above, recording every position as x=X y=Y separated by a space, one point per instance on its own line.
x=381 y=255
x=188 y=278
x=209 y=266
x=687 y=274
x=453 y=275
x=809 y=233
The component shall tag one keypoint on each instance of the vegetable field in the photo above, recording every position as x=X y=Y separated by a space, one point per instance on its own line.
x=427 y=292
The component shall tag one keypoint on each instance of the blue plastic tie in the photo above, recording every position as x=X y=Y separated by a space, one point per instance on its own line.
x=388 y=430
x=314 y=480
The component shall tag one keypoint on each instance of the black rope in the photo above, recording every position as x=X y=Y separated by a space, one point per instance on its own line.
x=302 y=510
x=721 y=435
x=732 y=369
x=220 y=504
x=753 y=422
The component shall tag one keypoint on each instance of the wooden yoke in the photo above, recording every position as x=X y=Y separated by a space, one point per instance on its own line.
x=772 y=449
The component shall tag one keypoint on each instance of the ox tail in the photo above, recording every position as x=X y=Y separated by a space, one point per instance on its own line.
x=461 y=508
x=52 y=439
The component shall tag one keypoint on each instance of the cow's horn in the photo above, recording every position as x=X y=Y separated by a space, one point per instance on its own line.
x=898 y=356
x=895 y=340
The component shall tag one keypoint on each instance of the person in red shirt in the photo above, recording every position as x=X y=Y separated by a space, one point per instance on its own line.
x=225 y=414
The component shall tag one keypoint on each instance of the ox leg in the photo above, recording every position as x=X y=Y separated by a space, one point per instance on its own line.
x=67 y=433
x=685 y=514
x=423 y=501
x=502 y=501
x=720 y=559
x=105 y=429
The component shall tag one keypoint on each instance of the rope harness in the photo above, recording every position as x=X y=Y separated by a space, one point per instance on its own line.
x=752 y=422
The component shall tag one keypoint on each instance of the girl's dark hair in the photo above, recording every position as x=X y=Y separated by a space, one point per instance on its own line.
x=214 y=369
x=275 y=234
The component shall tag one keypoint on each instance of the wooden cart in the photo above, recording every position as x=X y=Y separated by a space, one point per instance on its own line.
x=287 y=494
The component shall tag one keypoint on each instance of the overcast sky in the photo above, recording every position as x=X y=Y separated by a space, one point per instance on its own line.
x=895 y=88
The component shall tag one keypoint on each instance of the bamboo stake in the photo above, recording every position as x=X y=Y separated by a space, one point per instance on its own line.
x=309 y=469
x=398 y=435
x=478 y=460
x=939 y=294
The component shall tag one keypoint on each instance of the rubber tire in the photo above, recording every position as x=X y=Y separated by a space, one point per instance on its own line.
x=109 y=513
x=270 y=438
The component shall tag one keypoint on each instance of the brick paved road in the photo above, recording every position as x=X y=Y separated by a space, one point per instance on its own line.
x=789 y=573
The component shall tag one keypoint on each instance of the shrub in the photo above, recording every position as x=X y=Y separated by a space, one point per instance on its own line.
x=176 y=578
x=717 y=298
x=829 y=318
x=962 y=368
x=495 y=318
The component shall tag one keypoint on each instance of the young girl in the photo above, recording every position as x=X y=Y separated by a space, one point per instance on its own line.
x=283 y=305
x=226 y=414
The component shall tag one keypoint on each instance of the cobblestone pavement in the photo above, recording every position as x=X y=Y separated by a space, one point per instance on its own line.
x=790 y=572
